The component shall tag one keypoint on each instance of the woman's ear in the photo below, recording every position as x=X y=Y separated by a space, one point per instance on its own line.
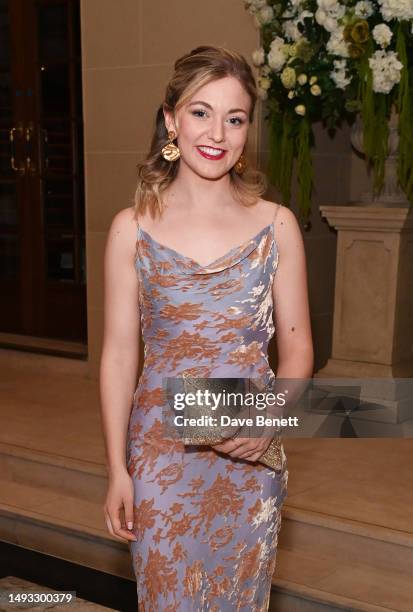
x=169 y=120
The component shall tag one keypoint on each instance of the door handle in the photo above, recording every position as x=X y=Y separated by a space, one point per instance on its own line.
x=15 y=130
x=31 y=168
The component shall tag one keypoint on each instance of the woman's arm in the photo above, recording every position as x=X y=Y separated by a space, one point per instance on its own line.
x=119 y=361
x=291 y=304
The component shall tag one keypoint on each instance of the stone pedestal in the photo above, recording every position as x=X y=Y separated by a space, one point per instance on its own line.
x=373 y=304
x=373 y=308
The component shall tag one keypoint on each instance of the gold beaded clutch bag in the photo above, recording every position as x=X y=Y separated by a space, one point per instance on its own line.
x=208 y=435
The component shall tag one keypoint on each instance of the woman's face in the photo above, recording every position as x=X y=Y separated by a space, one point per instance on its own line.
x=212 y=127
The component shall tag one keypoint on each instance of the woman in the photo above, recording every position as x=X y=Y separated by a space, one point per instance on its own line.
x=195 y=264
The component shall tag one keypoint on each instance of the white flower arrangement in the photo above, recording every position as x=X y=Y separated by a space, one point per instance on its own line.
x=326 y=60
x=386 y=70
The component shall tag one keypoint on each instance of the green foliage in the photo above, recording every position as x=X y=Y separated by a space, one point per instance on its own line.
x=405 y=110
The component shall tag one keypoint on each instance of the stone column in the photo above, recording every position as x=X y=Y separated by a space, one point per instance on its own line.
x=373 y=310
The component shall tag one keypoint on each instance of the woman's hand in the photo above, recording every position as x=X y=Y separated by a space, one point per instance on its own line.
x=250 y=449
x=119 y=501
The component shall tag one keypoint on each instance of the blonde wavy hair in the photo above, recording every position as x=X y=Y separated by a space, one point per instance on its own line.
x=191 y=72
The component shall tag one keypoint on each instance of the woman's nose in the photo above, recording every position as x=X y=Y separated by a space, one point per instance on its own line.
x=216 y=132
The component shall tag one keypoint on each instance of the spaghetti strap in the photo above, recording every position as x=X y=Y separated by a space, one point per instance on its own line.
x=138 y=237
x=138 y=227
x=276 y=212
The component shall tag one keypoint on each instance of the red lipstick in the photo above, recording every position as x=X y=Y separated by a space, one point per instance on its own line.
x=212 y=156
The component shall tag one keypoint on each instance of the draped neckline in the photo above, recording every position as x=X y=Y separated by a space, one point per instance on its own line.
x=229 y=258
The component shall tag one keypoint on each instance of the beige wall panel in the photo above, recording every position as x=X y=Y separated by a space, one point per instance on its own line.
x=109 y=196
x=95 y=337
x=120 y=107
x=95 y=251
x=171 y=29
x=111 y=33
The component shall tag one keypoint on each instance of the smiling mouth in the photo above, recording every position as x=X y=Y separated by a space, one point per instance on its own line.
x=211 y=152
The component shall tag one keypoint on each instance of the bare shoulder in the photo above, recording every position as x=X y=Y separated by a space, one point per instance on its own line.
x=283 y=216
x=122 y=234
x=124 y=225
x=287 y=229
x=124 y=220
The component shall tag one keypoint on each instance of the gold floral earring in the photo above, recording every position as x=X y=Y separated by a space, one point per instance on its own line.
x=171 y=151
x=241 y=164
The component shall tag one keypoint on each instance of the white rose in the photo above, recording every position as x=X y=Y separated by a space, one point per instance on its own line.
x=330 y=24
x=288 y=78
x=300 y=110
x=336 y=45
x=258 y=57
x=291 y=94
x=315 y=90
x=320 y=16
x=276 y=59
x=382 y=34
x=277 y=43
x=313 y=80
x=302 y=78
x=265 y=15
x=363 y=9
x=277 y=55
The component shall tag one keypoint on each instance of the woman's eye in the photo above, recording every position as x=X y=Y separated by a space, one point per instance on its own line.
x=236 y=121
x=199 y=113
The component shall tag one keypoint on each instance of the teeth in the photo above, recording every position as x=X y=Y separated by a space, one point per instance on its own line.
x=211 y=151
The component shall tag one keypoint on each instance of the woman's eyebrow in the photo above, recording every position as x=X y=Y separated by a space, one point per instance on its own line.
x=233 y=110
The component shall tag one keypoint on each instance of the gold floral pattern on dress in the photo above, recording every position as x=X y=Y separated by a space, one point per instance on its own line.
x=245 y=354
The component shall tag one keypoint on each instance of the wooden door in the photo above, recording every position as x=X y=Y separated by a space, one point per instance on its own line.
x=42 y=225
